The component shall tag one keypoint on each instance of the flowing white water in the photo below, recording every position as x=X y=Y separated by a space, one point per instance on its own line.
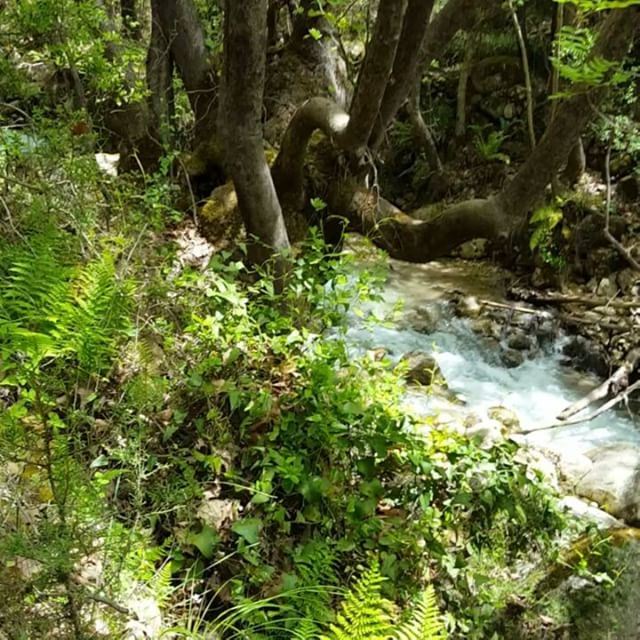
x=536 y=390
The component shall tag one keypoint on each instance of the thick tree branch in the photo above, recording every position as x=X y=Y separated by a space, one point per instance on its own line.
x=405 y=66
x=181 y=27
x=375 y=73
x=572 y=116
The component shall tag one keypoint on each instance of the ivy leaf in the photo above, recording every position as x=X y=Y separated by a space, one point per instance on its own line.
x=205 y=541
x=248 y=528
x=315 y=34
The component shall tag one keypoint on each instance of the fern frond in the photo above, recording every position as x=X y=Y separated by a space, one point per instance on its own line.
x=426 y=621
x=364 y=614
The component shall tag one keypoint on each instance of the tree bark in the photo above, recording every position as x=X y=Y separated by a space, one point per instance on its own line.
x=375 y=73
x=405 y=66
x=245 y=47
x=160 y=77
x=419 y=241
x=180 y=24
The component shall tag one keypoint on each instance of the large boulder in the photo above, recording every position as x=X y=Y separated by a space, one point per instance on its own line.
x=613 y=480
x=422 y=368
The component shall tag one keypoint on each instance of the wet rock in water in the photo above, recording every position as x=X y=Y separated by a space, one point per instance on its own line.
x=613 y=481
x=512 y=358
x=546 y=331
x=474 y=249
x=486 y=433
x=423 y=369
x=506 y=417
x=607 y=288
x=469 y=307
x=586 y=355
x=487 y=327
x=519 y=341
x=423 y=320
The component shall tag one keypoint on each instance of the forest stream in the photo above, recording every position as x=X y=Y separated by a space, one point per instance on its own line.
x=477 y=379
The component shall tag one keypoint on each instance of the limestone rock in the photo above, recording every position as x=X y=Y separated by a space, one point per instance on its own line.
x=572 y=467
x=469 y=307
x=423 y=320
x=584 y=511
x=613 y=481
x=607 y=288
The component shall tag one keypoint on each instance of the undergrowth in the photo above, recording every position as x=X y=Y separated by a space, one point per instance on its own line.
x=184 y=451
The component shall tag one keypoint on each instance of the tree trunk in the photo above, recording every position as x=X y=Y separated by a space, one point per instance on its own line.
x=160 y=78
x=180 y=24
x=375 y=73
x=405 y=66
x=245 y=46
x=520 y=194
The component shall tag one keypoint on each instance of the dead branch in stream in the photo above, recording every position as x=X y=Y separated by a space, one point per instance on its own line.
x=563 y=317
x=535 y=297
x=613 y=385
x=592 y=416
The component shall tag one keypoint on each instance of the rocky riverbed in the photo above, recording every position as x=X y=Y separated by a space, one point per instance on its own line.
x=477 y=366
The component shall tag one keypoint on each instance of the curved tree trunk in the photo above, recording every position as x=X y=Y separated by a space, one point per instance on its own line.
x=245 y=47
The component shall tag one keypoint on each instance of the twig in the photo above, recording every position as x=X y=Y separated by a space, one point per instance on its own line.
x=619 y=380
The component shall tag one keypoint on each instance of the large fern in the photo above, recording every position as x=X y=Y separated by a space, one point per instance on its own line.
x=426 y=622
x=50 y=310
x=364 y=614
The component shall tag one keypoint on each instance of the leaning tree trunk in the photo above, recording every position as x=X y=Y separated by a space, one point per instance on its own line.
x=375 y=73
x=405 y=66
x=180 y=24
x=245 y=45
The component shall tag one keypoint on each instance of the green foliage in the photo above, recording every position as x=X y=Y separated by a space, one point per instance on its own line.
x=489 y=146
x=52 y=311
x=425 y=622
x=600 y=5
x=364 y=614
x=544 y=223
